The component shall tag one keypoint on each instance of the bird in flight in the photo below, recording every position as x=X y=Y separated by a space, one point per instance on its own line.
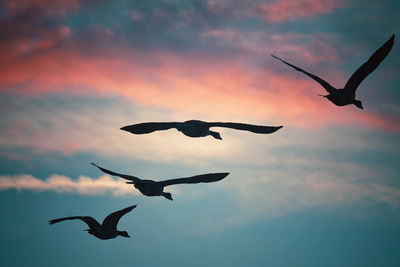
x=346 y=96
x=106 y=230
x=196 y=128
x=153 y=188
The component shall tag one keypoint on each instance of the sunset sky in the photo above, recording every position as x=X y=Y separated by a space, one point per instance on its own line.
x=322 y=191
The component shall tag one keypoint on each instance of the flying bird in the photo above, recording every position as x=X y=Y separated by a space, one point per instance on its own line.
x=153 y=188
x=106 y=230
x=346 y=96
x=196 y=128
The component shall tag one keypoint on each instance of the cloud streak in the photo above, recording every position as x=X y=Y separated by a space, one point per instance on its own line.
x=62 y=184
x=283 y=10
x=255 y=194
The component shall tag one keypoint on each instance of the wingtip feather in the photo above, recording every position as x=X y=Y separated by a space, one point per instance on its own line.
x=130 y=208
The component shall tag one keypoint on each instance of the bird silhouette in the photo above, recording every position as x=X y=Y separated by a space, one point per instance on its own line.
x=153 y=188
x=196 y=128
x=106 y=230
x=346 y=96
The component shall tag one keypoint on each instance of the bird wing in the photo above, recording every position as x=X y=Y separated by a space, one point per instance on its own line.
x=90 y=221
x=373 y=62
x=329 y=88
x=149 y=127
x=111 y=221
x=128 y=177
x=204 y=178
x=246 y=127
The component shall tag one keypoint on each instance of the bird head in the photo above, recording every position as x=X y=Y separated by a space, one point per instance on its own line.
x=123 y=233
x=89 y=231
x=167 y=195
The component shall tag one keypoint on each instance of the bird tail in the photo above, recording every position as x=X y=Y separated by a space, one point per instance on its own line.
x=358 y=103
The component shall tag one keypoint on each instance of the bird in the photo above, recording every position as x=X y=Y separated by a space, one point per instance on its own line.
x=346 y=95
x=153 y=188
x=197 y=128
x=106 y=230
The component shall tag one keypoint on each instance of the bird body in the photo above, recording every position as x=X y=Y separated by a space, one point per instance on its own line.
x=347 y=95
x=148 y=188
x=106 y=230
x=197 y=128
x=153 y=188
x=341 y=97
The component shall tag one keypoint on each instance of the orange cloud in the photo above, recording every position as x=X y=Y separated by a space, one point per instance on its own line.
x=199 y=86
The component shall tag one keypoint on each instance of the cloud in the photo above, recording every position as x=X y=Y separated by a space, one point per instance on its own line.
x=40 y=55
x=309 y=49
x=62 y=184
x=220 y=87
x=290 y=188
x=251 y=194
x=69 y=125
x=274 y=10
x=282 y=10
x=46 y=7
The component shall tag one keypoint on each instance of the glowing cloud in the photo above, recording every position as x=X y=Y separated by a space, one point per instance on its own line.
x=59 y=183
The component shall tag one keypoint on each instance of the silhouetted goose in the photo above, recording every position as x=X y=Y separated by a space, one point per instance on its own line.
x=196 y=128
x=153 y=188
x=346 y=96
x=106 y=230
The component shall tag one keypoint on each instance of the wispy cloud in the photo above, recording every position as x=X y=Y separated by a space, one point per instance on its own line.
x=252 y=194
x=62 y=184
x=282 y=10
x=46 y=7
x=289 y=189
x=79 y=125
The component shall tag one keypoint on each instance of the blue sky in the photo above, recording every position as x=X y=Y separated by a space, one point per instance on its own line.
x=322 y=191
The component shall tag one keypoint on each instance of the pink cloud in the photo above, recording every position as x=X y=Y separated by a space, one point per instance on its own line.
x=280 y=10
x=194 y=84
x=49 y=7
x=217 y=6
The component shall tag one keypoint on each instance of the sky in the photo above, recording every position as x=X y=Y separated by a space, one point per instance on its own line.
x=322 y=191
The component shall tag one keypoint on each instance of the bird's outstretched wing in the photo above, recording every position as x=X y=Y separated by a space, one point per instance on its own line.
x=373 y=62
x=246 y=127
x=111 y=221
x=128 y=177
x=149 y=127
x=204 y=178
x=90 y=221
x=329 y=88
